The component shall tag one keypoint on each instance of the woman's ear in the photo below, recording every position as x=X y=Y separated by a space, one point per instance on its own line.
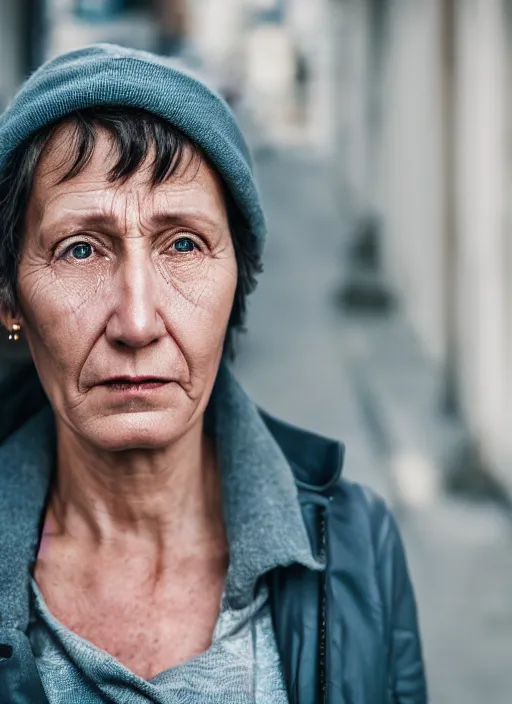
x=8 y=319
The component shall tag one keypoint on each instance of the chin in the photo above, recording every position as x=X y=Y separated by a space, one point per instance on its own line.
x=147 y=430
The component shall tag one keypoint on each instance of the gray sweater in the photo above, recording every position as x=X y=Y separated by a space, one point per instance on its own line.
x=265 y=529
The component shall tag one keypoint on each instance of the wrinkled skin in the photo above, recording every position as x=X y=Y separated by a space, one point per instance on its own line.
x=133 y=302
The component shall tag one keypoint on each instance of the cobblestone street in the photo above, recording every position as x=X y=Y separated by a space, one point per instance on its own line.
x=303 y=361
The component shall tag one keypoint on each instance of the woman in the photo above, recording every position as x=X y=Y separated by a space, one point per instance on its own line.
x=161 y=538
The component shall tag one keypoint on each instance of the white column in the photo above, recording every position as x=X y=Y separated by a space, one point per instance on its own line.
x=410 y=193
x=350 y=48
x=483 y=158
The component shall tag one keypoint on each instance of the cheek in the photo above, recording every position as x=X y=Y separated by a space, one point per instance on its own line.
x=198 y=304
x=60 y=292
x=60 y=321
x=204 y=282
x=57 y=340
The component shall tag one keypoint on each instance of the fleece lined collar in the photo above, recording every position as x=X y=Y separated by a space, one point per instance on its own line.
x=263 y=517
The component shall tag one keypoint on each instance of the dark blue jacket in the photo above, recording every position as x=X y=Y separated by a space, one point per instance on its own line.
x=348 y=635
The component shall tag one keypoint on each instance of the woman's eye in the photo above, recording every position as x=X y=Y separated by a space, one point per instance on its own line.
x=184 y=245
x=80 y=250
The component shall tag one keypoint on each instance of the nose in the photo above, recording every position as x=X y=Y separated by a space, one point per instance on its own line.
x=135 y=321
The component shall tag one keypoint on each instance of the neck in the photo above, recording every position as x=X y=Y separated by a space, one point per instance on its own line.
x=161 y=502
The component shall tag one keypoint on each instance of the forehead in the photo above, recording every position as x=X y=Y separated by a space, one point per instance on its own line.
x=194 y=178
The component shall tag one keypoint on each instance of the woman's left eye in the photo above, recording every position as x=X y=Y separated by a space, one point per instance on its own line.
x=184 y=245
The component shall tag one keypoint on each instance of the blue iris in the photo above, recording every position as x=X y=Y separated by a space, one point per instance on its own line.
x=82 y=250
x=184 y=245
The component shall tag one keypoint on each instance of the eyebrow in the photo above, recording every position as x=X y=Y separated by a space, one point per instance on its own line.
x=159 y=218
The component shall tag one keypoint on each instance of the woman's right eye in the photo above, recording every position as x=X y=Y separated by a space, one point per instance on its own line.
x=79 y=250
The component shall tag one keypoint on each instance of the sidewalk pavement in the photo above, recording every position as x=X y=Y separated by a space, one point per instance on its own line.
x=367 y=383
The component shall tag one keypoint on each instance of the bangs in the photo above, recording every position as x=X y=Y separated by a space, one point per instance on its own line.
x=136 y=135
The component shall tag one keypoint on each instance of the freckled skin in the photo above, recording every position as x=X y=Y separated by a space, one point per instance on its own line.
x=133 y=554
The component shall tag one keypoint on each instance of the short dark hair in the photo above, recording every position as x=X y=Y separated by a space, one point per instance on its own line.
x=134 y=132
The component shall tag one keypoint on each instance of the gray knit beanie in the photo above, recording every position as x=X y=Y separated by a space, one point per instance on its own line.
x=109 y=74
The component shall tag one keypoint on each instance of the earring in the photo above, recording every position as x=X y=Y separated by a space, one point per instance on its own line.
x=14 y=334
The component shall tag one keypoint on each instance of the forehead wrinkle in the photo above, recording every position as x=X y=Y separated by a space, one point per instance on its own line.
x=134 y=202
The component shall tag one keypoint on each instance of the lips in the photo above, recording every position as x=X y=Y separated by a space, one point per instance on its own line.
x=136 y=380
x=134 y=383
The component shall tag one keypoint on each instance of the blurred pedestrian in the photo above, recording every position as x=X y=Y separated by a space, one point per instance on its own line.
x=161 y=538
x=171 y=16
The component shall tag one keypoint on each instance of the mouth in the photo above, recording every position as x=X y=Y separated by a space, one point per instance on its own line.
x=136 y=383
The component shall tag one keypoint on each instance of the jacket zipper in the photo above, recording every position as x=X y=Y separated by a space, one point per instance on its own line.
x=323 y=612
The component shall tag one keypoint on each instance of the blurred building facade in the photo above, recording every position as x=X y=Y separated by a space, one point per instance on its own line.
x=423 y=147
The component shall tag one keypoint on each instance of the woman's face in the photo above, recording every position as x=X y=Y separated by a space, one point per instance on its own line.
x=121 y=280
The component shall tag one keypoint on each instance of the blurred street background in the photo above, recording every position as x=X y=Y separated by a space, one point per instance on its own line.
x=381 y=131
